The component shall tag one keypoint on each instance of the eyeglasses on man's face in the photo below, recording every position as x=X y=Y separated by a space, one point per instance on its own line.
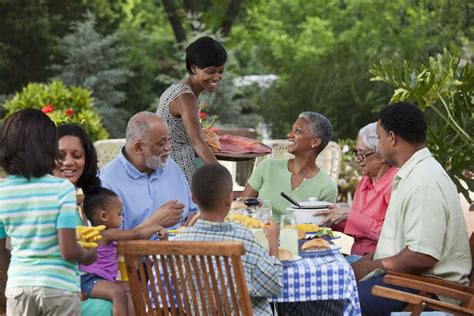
x=361 y=155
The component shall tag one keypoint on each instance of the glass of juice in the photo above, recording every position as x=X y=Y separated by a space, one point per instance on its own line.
x=288 y=234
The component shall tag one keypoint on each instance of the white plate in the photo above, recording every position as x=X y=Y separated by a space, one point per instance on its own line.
x=287 y=262
x=315 y=253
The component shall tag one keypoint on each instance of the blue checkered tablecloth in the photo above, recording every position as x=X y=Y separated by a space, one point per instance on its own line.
x=328 y=277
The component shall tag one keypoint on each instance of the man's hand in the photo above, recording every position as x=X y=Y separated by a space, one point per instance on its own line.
x=334 y=215
x=166 y=215
x=362 y=268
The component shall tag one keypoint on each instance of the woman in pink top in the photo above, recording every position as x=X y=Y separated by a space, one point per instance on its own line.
x=365 y=219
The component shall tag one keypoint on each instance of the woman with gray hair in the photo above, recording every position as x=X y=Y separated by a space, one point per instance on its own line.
x=299 y=177
x=365 y=219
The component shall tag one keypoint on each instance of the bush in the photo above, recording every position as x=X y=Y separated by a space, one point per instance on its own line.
x=63 y=104
x=446 y=92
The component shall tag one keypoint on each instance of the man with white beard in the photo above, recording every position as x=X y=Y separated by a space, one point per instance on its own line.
x=151 y=186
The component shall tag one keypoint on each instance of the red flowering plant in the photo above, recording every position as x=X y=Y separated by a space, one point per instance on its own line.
x=63 y=104
x=59 y=116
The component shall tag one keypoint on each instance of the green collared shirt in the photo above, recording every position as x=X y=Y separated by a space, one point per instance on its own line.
x=425 y=215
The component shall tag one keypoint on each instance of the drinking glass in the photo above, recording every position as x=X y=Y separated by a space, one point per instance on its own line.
x=288 y=234
x=265 y=211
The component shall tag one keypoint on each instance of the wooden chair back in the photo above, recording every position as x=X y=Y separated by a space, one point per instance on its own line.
x=108 y=149
x=187 y=277
x=426 y=288
x=328 y=160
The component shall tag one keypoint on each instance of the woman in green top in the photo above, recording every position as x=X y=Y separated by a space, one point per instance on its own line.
x=299 y=177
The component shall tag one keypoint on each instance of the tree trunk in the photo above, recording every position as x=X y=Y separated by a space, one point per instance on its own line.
x=171 y=12
x=231 y=14
x=190 y=6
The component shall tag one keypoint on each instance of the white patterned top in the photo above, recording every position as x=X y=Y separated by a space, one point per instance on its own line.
x=182 y=150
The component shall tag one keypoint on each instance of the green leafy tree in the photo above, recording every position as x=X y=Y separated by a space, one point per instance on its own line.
x=446 y=93
x=29 y=35
x=322 y=51
x=95 y=62
x=63 y=104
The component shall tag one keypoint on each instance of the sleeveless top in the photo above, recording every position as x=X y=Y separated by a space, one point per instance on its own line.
x=182 y=151
x=106 y=265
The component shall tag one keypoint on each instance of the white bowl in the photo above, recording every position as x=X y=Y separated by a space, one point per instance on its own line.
x=305 y=216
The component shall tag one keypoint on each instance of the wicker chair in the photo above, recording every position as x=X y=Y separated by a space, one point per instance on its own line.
x=108 y=149
x=328 y=160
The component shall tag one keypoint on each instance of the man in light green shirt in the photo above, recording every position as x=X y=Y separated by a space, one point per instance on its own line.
x=424 y=230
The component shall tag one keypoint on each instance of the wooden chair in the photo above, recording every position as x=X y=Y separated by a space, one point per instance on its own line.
x=428 y=287
x=108 y=149
x=328 y=160
x=193 y=277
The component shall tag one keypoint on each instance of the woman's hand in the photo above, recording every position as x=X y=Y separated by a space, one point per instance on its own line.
x=333 y=215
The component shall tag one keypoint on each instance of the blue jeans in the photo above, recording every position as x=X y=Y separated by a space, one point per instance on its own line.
x=376 y=305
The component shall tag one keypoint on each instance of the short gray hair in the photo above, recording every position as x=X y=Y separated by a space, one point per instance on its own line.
x=368 y=136
x=138 y=126
x=320 y=127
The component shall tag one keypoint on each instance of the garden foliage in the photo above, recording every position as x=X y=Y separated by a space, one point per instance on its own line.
x=446 y=92
x=63 y=104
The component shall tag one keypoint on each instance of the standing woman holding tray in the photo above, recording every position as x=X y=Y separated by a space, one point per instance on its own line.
x=205 y=60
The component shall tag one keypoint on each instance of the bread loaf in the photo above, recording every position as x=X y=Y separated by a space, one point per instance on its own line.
x=316 y=244
x=284 y=254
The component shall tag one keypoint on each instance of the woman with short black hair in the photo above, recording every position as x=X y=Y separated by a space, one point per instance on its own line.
x=205 y=60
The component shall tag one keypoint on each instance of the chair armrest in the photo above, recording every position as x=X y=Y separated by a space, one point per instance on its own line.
x=428 y=287
x=419 y=300
x=444 y=283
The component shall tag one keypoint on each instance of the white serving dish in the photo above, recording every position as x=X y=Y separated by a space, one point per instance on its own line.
x=305 y=215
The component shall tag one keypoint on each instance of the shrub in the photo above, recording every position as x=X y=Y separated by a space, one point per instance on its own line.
x=446 y=92
x=63 y=104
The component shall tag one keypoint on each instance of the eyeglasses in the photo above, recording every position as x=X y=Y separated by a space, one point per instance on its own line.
x=361 y=155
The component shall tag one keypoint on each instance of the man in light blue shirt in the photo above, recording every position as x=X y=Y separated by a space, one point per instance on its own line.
x=150 y=185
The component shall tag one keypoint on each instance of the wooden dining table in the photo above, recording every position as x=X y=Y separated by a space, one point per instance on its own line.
x=327 y=277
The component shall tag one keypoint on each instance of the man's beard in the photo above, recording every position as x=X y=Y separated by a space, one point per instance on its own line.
x=156 y=162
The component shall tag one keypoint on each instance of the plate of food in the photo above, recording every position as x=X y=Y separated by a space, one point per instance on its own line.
x=317 y=247
x=287 y=257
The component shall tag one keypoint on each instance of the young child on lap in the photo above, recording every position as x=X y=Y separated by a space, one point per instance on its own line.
x=38 y=213
x=212 y=192
x=103 y=207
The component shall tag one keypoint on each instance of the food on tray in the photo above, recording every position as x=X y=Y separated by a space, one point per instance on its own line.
x=88 y=236
x=284 y=255
x=244 y=220
x=307 y=228
x=233 y=144
x=212 y=139
x=316 y=244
